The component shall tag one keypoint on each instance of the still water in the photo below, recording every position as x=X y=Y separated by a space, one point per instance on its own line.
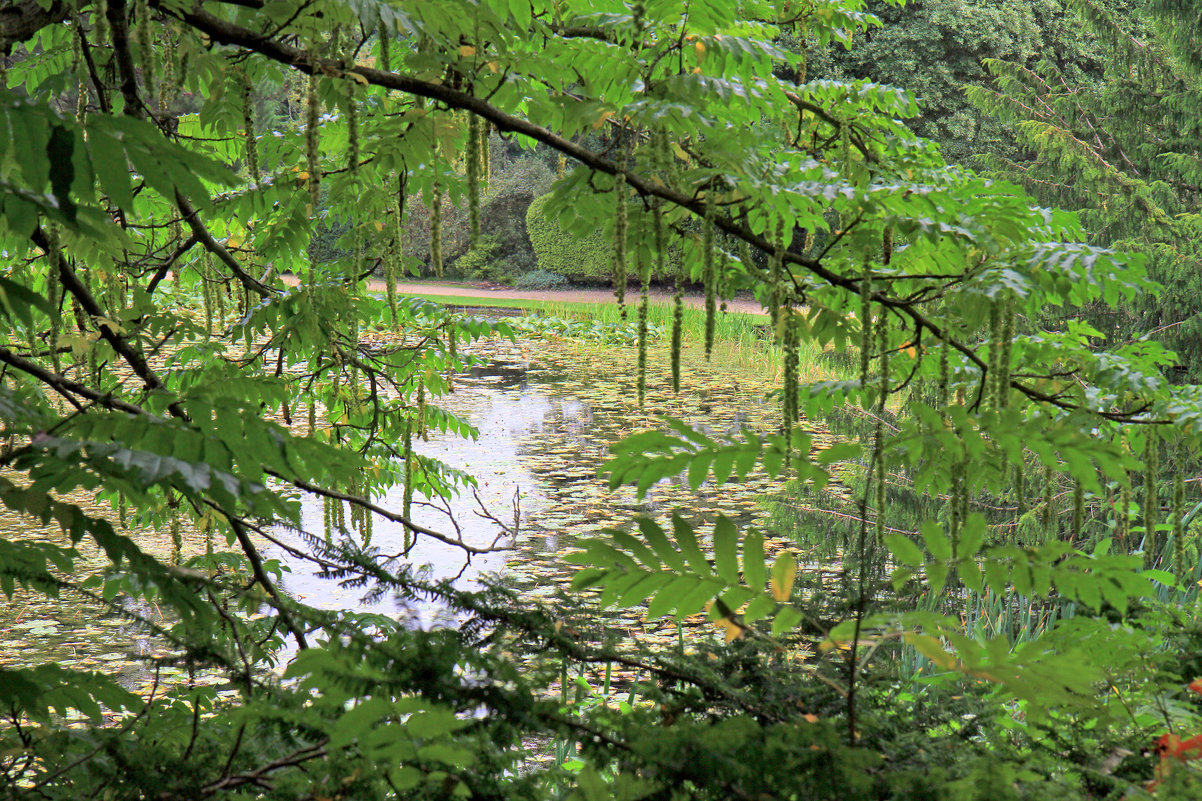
x=547 y=413
x=546 y=416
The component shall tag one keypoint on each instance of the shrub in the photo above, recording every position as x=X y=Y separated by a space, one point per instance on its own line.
x=481 y=262
x=540 y=279
x=581 y=258
x=517 y=179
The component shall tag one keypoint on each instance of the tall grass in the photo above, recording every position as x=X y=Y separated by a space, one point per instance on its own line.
x=741 y=341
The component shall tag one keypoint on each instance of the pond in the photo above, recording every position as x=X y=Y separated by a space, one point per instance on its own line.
x=547 y=412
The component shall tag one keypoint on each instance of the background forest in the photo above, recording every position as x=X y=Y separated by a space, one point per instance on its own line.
x=974 y=227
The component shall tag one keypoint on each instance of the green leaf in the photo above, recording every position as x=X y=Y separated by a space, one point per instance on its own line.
x=755 y=572
x=784 y=572
x=686 y=538
x=972 y=536
x=936 y=540
x=786 y=619
x=726 y=550
x=659 y=543
x=904 y=549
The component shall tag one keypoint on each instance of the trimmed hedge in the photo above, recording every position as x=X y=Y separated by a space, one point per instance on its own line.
x=586 y=258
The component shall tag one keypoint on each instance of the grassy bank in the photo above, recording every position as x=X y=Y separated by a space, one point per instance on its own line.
x=742 y=342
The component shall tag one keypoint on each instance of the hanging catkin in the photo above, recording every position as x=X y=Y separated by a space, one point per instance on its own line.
x=954 y=506
x=995 y=354
x=745 y=257
x=145 y=51
x=709 y=276
x=208 y=527
x=248 y=129
x=1179 y=509
x=663 y=161
x=393 y=264
x=620 y=225
x=882 y=331
x=222 y=295
x=312 y=118
x=79 y=69
x=866 y=333
x=436 y=228
x=100 y=24
x=206 y=288
x=844 y=149
x=385 y=47
x=789 y=393
x=485 y=159
x=422 y=430
x=407 y=457
x=177 y=540
x=722 y=278
x=169 y=85
x=1078 y=509
x=352 y=158
x=472 y=159
x=644 y=268
x=1049 y=498
x=1123 y=523
x=677 y=327
x=54 y=292
x=776 y=276
x=1020 y=488
x=1151 y=498
x=312 y=115
x=1002 y=387
x=941 y=388
x=352 y=129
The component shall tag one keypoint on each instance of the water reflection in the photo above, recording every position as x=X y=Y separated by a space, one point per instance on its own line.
x=546 y=424
x=545 y=428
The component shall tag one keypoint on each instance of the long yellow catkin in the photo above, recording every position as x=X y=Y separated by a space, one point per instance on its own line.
x=79 y=69
x=145 y=51
x=312 y=114
x=710 y=276
x=393 y=265
x=1078 y=509
x=1002 y=391
x=1151 y=499
x=385 y=47
x=248 y=132
x=883 y=346
x=867 y=336
x=436 y=228
x=644 y=268
x=472 y=159
x=776 y=276
x=620 y=225
x=1049 y=498
x=1179 y=509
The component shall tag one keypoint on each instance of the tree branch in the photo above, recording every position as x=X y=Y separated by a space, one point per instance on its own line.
x=20 y=21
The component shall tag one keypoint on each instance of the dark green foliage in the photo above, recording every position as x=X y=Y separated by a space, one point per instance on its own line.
x=1123 y=151
x=580 y=258
x=960 y=652
x=541 y=279
x=517 y=179
x=936 y=48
